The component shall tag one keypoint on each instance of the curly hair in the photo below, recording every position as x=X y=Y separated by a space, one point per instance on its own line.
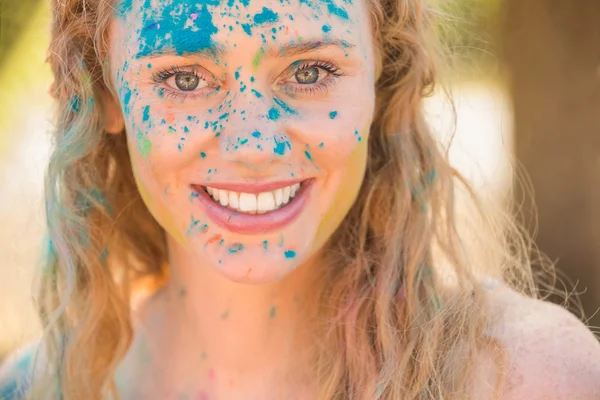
x=394 y=327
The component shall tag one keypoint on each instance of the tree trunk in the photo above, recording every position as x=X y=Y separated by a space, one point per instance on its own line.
x=552 y=50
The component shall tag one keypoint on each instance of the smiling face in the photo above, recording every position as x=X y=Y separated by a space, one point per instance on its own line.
x=247 y=123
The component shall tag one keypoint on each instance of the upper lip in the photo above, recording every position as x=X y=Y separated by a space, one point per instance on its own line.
x=249 y=187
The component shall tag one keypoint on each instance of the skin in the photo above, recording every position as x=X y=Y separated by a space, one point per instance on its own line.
x=249 y=120
x=237 y=324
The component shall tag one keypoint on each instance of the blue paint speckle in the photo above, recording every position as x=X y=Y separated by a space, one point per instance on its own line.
x=172 y=29
x=247 y=29
x=280 y=147
x=290 y=254
x=274 y=114
x=202 y=154
x=338 y=11
x=257 y=93
x=333 y=114
x=237 y=75
x=284 y=106
x=326 y=28
x=235 y=248
x=266 y=15
x=256 y=134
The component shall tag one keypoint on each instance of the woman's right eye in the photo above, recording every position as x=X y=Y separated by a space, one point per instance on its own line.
x=184 y=82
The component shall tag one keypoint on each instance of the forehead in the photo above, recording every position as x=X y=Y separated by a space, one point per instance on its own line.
x=152 y=27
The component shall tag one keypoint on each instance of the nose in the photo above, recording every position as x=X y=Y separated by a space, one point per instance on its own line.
x=254 y=139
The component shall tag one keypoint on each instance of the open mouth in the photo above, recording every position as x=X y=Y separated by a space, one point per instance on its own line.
x=254 y=209
x=254 y=203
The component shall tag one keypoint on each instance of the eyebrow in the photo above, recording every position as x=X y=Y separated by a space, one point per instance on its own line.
x=217 y=51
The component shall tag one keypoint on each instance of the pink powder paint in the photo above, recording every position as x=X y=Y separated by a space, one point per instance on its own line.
x=194 y=16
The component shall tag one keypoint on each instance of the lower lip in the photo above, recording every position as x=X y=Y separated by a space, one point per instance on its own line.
x=252 y=224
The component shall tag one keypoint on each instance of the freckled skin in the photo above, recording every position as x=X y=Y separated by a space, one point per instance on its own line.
x=247 y=119
x=168 y=133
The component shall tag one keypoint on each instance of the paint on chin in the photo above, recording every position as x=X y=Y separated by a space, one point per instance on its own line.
x=341 y=204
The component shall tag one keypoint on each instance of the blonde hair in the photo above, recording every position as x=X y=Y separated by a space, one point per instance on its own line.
x=394 y=328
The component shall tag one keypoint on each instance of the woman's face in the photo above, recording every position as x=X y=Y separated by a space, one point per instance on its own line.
x=247 y=123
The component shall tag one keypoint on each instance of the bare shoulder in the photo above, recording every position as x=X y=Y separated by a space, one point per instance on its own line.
x=550 y=354
x=16 y=372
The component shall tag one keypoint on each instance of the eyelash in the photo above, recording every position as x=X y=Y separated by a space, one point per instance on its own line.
x=162 y=76
x=291 y=88
x=315 y=88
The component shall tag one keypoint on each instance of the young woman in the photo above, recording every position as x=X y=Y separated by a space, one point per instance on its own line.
x=244 y=202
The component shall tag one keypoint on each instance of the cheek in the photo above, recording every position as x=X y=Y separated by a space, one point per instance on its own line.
x=345 y=181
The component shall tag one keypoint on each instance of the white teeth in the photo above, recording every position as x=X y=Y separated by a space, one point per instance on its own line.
x=278 y=197
x=223 y=197
x=294 y=189
x=234 y=200
x=250 y=203
x=266 y=202
x=286 y=194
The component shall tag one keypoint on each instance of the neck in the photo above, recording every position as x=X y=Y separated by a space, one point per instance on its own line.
x=242 y=329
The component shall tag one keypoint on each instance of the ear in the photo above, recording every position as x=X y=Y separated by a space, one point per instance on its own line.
x=114 y=122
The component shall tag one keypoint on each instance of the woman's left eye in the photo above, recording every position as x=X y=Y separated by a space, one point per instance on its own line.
x=311 y=77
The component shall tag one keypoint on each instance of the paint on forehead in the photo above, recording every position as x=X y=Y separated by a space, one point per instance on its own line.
x=266 y=16
x=175 y=26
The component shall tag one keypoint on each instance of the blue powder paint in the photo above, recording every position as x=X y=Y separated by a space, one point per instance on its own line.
x=247 y=29
x=166 y=28
x=321 y=144
x=337 y=11
x=237 y=75
x=256 y=134
x=333 y=114
x=265 y=244
x=124 y=8
x=257 y=93
x=235 y=248
x=223 y=116
x=202 y=154
x=280 y=147
x=266 y=15
x=75 y=104
x=251 y=79
x=284 y=106
x=126 y=99
x=290 y=254
x=326 y=28
x=186 y=129
x=243 y=141
x=146 y=114
x=274 y=114
x=245 y=3
x=307 y=154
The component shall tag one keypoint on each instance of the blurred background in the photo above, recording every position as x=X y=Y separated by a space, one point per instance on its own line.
x=525 y=79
